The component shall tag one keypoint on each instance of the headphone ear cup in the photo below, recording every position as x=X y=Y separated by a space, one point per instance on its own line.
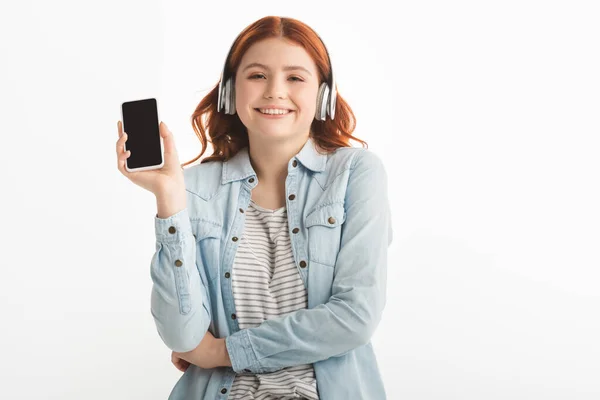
x=332 y=102
x=322 y=95
x=226 y=96
x=220 y=95
x=231 y=97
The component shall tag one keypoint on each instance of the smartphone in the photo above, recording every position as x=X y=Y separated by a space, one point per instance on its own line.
x=141 y=123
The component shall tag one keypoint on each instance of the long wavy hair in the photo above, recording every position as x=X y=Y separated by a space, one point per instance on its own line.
x=228 y=134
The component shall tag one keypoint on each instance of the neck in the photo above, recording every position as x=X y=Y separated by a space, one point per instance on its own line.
x=270 y=158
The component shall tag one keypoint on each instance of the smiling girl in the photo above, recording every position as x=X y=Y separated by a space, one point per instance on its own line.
x=269 y=275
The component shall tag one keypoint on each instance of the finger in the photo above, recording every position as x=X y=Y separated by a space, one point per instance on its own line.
x=122 y=155
x=174 y=361
x=179 y=367
x=167 y=136
x=119 y=128
x=179 y=363
x=121 y=165
x=122 y=159
x=183 y=365
x=121 y=143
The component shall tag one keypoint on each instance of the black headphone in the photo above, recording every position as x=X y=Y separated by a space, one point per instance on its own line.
x=326 y=97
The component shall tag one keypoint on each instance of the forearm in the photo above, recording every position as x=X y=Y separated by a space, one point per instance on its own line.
x=210 y=353
x=302 y=337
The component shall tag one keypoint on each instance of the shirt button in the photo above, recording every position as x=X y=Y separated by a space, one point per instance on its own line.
x=331 y=220
x=292 y=196
x=223 y=390
x=172 y=229
x=251 y=180
x=235 y=239
x=295 y=163
x=242 y=210
x=227 y=274
x=178 y=263
x=295 y=230
x=233 y=316
x=302 y=264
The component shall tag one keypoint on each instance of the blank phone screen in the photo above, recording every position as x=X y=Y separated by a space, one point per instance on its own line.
x=140 y=122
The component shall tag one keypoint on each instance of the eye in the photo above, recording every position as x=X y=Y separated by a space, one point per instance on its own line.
x=256 y=76
x=296 y=79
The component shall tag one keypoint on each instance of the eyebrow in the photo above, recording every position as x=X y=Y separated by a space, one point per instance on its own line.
x=285 y=68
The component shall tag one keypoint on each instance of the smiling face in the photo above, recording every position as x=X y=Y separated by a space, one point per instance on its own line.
x=276 y=89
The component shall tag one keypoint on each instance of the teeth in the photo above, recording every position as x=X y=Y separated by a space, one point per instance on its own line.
x=273 y=111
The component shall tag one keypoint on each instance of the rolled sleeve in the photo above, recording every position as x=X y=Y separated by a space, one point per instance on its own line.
x=241 y=354
x=179 y=300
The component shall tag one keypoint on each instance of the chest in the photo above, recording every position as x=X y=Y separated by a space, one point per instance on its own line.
x=315 y=213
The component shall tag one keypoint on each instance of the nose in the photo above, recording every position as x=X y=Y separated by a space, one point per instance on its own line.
x=275 y=88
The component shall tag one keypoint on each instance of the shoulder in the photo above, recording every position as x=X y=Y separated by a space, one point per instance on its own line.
x=364 y=171
x=345 y=164
x=354 y=159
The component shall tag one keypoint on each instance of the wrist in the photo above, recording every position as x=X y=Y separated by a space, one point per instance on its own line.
x=223 y=353
x=167 y=193
x=168 y=204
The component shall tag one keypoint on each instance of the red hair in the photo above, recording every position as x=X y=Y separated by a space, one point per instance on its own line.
x=227 y=132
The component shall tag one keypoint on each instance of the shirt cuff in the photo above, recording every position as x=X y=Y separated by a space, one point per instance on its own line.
x=241 y=353
x=174 y=228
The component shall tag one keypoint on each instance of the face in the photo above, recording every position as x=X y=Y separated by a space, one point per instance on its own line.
x=276 y=89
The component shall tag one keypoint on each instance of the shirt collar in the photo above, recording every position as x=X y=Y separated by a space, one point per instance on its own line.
x=239 y=167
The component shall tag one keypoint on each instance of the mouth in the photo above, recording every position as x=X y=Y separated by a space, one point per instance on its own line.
x=273 y=112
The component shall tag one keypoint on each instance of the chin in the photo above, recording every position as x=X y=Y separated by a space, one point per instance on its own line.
x=275 y=134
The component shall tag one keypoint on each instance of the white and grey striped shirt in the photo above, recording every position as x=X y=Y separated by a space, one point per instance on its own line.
x=266 y=284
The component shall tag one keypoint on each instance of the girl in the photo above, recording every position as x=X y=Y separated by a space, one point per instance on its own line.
x=269 y=275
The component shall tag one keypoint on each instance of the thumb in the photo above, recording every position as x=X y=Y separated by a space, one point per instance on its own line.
x=171 y=156
x=164 y=130
x=167 y=136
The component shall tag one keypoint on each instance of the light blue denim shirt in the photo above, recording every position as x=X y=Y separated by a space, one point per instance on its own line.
x=340 y=229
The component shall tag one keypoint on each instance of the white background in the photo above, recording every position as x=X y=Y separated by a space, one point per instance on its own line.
x=485 y=113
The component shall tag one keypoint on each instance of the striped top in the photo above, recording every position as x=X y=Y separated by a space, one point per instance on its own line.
x=266 y=284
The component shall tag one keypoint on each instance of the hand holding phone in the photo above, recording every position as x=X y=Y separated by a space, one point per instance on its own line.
x=167 y=179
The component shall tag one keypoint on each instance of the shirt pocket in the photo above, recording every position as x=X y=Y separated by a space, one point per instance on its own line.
x=207 y=235
x=324 y=226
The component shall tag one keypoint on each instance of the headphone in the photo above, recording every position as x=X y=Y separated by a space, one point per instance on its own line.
x=326 y=97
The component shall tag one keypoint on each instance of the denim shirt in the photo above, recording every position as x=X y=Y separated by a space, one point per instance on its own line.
x=340 y=229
